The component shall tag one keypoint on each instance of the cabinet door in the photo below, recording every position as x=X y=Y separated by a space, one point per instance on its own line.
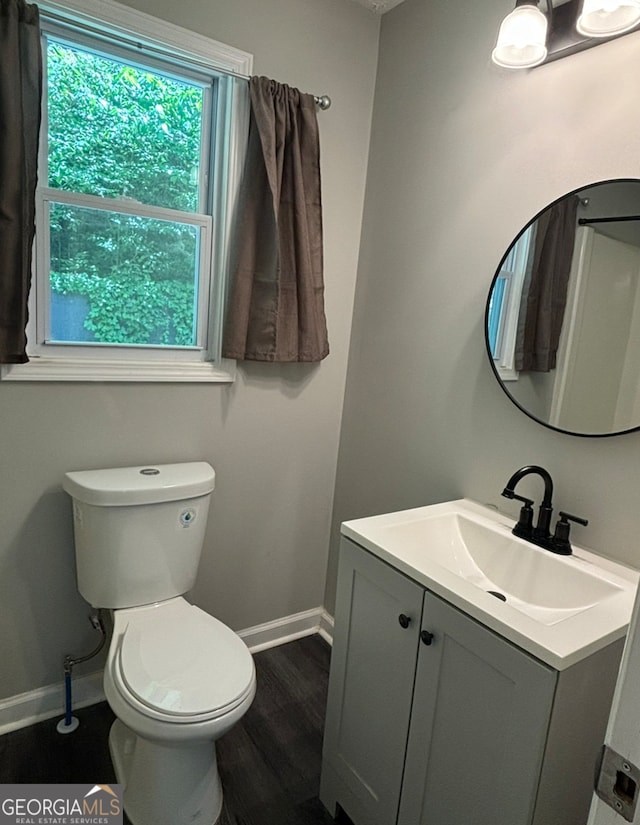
x=480 y=716
x=370 y=687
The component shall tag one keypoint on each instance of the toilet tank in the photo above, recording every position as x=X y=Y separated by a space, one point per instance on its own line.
x=139 y=531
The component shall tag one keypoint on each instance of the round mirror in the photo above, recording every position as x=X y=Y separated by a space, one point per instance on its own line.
x=562 y=322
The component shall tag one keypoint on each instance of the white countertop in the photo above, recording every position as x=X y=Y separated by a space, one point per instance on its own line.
x=560 y=637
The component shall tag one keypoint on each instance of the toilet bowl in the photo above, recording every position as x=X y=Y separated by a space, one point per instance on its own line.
x=177 y=679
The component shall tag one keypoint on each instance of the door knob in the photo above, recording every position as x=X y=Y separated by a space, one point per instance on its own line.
x=426 y=637
x=404 y=620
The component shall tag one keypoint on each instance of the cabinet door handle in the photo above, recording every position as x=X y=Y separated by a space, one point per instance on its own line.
x=426 y=637
x=404 y=620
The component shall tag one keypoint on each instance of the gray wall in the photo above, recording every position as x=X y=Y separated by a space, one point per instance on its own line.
x=462 y=156
x=272 y=436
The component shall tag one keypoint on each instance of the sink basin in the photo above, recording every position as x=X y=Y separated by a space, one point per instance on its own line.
x=560 y=608
x=539 y=583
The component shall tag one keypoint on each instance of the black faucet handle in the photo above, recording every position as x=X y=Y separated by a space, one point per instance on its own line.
x=560 y=542
x=564 y=517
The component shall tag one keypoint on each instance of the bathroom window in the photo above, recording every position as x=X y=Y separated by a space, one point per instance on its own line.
x=141 y=146
x=504 y=306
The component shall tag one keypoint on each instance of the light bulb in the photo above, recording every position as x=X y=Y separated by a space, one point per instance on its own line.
x=605 y=18
x=522 y=38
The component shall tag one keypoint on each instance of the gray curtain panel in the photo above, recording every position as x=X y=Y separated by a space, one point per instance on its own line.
x=276 y=306
x=20 y=93
x=546 y=297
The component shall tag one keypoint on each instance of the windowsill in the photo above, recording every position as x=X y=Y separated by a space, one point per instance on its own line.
x=85 y=369
x=508 y=373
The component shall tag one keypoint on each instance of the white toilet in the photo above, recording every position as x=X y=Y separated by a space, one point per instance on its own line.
x=175 y=677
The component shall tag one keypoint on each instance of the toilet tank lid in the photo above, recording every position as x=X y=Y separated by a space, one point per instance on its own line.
x=145 y=484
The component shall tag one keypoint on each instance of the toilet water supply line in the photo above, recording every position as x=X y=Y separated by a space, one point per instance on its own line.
x=70 y=723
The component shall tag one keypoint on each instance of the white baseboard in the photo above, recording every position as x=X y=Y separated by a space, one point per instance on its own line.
x=280 y=631
x=48 y=701
x=326 y=627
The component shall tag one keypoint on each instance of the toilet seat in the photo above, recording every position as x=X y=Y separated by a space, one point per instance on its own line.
x=177 y=663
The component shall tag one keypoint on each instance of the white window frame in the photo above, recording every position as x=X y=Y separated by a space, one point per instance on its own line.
x=513 y=270
x=118 y=23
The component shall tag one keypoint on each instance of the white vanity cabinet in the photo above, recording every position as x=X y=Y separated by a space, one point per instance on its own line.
x=433 y=719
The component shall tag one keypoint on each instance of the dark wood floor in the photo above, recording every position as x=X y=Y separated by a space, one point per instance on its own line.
x=269 y=762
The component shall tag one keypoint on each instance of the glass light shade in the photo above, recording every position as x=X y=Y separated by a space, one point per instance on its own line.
x=604 y=18
x=522 y=39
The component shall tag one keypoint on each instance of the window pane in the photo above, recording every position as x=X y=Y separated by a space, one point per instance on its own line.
x=120 y=131
x=122 y=279
x=496 y=306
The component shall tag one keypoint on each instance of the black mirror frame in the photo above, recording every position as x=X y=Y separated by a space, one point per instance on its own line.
x=514 y=401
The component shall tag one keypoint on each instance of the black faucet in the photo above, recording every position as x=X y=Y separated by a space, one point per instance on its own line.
x=540 y=534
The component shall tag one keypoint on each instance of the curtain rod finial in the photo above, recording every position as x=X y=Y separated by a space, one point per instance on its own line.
x=322 y=101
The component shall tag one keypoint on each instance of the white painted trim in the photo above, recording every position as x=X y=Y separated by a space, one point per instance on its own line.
x=622 y=731
x=116 y=18
x=42 y=368
x=48 y=701
x=286 y=629
x=580 y=264
x=326 y=627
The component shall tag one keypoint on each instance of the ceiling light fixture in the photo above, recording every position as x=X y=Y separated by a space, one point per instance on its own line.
x=603 y=18
x=529 y=36
x=522 y=39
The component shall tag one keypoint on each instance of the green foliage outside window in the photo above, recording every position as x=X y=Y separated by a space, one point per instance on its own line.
x=133 y=309
x=118 y=131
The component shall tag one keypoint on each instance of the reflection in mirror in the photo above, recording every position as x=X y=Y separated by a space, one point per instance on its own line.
x=562 y=323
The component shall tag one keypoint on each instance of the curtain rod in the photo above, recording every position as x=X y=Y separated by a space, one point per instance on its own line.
x=323 y=102
x=585 y=221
